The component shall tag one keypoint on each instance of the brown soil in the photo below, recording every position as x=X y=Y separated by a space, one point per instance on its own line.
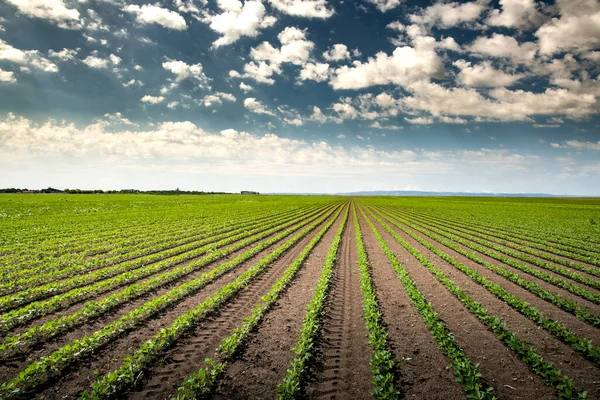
x=344 y=356
x=423 y=367
x=571 y=363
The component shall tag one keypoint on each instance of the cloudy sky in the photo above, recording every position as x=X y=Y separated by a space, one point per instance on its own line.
x=301 y=95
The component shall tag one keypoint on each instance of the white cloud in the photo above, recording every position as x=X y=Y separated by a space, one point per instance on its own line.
x=152 y=14
x=64 y=54
x=133 y=82
x=385 y=5
x=152 y=99
x=576 y=144
x=115 y=60
x=245 y=88
x=7 y=76
x=295 y=49
x=217 y=98
x=173 y=104
x=516 y=14
x=315 y=72
x=502 y=105
x=182 y=71
x=337 y=53
x=447 y=15
x=502 y=46
x=377 y=125
x=484 y=75
x=257 y=106
x=405 y=65
x=96 y=62
x=578 y=28
x=238 y=19
x=52 y=10
x=420 y=121
x=138 y=68
x=303 y=8
x=26 y=58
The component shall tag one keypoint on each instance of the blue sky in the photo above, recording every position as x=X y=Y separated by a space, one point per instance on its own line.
x=301 y=96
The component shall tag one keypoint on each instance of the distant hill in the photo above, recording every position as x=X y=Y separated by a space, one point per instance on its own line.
x=467 y=194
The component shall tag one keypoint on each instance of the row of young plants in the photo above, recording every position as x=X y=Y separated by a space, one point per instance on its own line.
x=96 y=240
x=165 y=241
x=536 y=261
x=125 y=273
x=541 y=274
x=555 y=328
x=539 y=232
x=112 y=385
x=305 y=348
x=507 y=241
x=169 y=249
x=569 y=306
x=463 y=368
x=202 y=382
x=47 y=368
x=382 y=361
x=18 y=317
x=562 y=385
x=585 y=255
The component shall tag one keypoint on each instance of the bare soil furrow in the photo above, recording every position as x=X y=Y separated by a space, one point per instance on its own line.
x=343 y=360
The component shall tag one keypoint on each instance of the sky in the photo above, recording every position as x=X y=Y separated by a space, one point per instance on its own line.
x=301 y=95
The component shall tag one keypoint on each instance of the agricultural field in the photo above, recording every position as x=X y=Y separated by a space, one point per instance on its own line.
x=255 y=297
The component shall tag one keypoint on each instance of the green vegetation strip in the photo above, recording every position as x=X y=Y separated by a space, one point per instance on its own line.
x=569 y=286
x=47 y=368
x=556 y=328
x=536 y=261
x=20 y=316
x=126 y=376
x=55 y=288
x=382 y=359
x=313 y=321
x=552 y=377
x=152 y=255
x=200 y=384
x=491 y=240
x=499 y=237
x=13 y=345
x=464 y=370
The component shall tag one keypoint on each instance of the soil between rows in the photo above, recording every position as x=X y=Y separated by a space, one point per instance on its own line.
x=109 y=358
x=498 y=365
x=583 y=372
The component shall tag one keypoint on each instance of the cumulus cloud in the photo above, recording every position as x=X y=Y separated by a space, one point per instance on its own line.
x=576 y=144
x=54 y=11
x=337 y=52
x=314 y=72
x=577 y=29
x=245 y=88
x=238 y=19
x=183 y=71
x=503 y=46
x=516 y=14
x=217 y=98
x=484 y=75
x=64 y=54
x=295 y=49
x=26 y=58
x=152 y=14
x=152 y=99
x=447 y=15
x=101 y=63
x=385 y=5
x=257 y=107
x=304 y=8
x=405 y=65
x=378 y=125
x=7 y=76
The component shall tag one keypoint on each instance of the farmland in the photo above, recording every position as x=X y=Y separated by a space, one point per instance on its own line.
x=139 y=296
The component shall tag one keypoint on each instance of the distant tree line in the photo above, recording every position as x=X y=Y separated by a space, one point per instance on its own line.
x=98 y=191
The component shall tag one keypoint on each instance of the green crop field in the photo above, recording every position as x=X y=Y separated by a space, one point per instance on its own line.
x=230 y=296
